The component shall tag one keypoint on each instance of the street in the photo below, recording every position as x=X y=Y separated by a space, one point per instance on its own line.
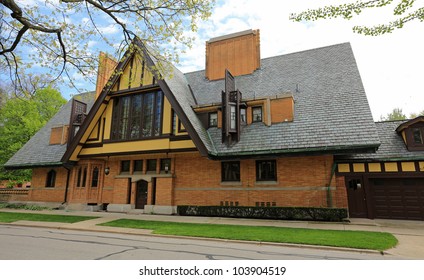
x=32 y=243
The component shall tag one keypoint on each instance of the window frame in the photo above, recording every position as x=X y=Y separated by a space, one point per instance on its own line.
x=123 y=118
x=209 y=119
x=51 y=178
x=123 y=164
x=225 y=173
x=253 y=114
x=272 y=178
x=148 y=165
x=410 y=138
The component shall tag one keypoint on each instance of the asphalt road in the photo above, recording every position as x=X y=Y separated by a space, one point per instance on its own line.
x=32 y=243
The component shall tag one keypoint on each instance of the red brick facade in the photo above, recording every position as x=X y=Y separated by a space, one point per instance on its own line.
x=194 y=180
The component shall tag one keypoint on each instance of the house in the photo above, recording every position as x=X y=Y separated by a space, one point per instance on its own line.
x=290 y=130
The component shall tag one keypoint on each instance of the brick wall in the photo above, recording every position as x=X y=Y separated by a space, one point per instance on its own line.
x=39 y=192
x=302 y=181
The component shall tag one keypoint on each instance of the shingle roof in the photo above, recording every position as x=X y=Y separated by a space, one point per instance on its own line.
x=331 y=108
x=392 y=146
x=37 y=151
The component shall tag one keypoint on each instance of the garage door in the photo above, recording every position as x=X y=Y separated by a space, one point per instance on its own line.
x=398 y=198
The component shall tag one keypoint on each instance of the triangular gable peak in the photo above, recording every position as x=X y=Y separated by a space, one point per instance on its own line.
x=112 y=120
x=412 y=132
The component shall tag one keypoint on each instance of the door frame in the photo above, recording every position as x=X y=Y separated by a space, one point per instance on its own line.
x=357 y=195
x=140 y=185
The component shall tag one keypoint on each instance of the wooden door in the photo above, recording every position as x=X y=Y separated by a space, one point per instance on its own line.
x=356 y=197
x=141 y=194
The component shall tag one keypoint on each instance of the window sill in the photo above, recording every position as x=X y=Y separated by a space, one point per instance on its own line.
x=231 y=183
x=261 y=183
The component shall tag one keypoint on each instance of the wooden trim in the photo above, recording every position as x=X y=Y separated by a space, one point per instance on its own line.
x=98 y=132
x=140 y=152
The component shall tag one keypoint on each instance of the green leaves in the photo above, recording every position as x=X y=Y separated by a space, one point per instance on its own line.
x=21 y=118
x=347 y=11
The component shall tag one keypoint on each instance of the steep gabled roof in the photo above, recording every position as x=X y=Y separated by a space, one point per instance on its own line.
x=175 y=88
x=331 y=110
x=37 y=151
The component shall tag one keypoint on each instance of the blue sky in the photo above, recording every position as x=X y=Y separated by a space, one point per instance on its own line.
x=390 y=65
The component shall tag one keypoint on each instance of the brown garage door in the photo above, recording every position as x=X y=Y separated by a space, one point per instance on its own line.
x=398 y=198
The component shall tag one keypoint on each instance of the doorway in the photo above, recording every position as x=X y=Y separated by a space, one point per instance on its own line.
x=141 y=194
x=356 y=197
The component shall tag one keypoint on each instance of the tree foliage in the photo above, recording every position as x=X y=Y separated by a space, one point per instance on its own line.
x=20 y=119
x=395 y=115
x=58 y=35
x=404 y=11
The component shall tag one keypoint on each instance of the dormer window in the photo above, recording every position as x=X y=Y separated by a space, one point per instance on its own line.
x=243 y=119
x=213 y=119
x=412 y=133
x=257 y=114
x=417 y=134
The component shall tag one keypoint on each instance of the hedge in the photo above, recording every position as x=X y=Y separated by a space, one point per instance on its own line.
x=278 y=213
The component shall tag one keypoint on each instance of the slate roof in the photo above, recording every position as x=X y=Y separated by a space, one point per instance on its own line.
x=331 y=109
x=392 y=147
x=37 y=151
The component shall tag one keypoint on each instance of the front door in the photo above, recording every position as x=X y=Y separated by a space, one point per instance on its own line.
x=141 y=194
x=356 y=197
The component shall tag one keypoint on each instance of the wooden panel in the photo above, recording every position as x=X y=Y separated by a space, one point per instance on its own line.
x=358 y=167
x=398 y=198
x=374 y=167
x=343 y=167
x=391 y=167
x=408 y=166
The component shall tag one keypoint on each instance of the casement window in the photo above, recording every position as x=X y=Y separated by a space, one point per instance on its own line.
x=230 y=171
x=138 y=165
x=95 y=177
x=51 y=179
x=266 y=170
x=257 y=114
x=151 y=165
x=418 y=135
x=213 y=119
x=165 y=165
x=125 y=166
x=137 y=116
x=79 y=176
x=243 y=119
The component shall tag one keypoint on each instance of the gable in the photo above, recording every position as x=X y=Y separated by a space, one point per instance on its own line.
x=133 y=114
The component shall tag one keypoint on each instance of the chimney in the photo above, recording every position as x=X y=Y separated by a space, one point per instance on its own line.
x=238 y=52
x=106 y=66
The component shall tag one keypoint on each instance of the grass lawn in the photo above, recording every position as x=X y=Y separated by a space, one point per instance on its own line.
x=9 y=217
x=337 y=238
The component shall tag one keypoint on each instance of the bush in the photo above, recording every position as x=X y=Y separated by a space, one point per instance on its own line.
x=23 y=206
x=278 y=213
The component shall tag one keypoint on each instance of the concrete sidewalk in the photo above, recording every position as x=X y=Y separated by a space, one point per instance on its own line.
x=409 y=233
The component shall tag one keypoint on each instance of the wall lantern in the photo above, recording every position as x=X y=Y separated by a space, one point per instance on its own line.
x=107 y=170
x=166 y=168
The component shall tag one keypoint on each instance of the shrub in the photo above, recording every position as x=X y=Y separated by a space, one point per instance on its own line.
x=278 y=213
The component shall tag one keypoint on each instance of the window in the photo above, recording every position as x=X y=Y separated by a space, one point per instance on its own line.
x=84 y=177
x=417 y=134
x=137 y=116
x=233 y=117
x=125 y=166
x=51 y=179
x=213 y=119
x=256 y=114
x=230 y=171
x=173 y=122
x=79 y=177
x=95 y=177
x=165 y=165
x=151 y=165
x=243 y=120
x=138 y=165
x=266 y=170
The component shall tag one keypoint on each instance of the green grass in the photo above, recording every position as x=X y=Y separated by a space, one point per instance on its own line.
x=9 y=217
x=337 y=238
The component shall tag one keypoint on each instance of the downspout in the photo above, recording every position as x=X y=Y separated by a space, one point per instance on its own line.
x=329 y=195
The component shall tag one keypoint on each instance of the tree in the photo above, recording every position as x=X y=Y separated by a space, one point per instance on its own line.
x=395 y=115
x=57 y=35
x=20 y=119
x=404 y=11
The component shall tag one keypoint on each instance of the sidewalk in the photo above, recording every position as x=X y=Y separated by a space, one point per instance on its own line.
x=409 y=233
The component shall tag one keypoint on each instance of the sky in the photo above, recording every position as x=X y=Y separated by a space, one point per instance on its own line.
x=390 y=65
